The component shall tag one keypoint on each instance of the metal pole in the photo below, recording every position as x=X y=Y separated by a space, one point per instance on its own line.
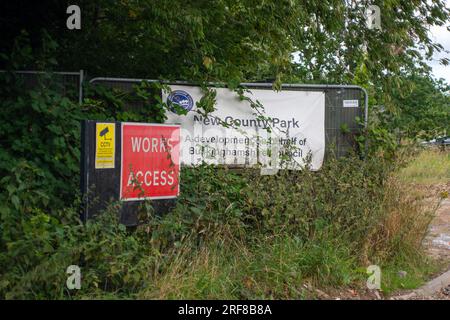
x=42 y=72
x=366 y=119
x=80 y=92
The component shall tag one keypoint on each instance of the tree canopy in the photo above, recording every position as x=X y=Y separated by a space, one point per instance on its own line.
x=237 y=40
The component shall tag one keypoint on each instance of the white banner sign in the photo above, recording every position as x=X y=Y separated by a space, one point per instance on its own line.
x=290 y=125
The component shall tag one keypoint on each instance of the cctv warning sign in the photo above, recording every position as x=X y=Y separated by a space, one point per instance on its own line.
x=150 y=162
x=105 y=145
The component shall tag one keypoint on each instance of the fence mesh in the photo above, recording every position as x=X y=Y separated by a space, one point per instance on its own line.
x=341 y=123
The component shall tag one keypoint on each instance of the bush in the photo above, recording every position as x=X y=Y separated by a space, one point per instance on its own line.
x=233 y=234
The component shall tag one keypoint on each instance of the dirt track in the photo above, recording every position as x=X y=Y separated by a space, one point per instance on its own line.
x=437 y=244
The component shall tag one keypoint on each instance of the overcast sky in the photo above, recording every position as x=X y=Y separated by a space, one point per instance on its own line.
x=442 y=36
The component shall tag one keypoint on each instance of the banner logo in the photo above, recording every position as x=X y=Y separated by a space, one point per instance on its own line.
x=182 y=99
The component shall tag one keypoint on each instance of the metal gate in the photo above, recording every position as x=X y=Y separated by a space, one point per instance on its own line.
x=71 y=82
x=339 y=114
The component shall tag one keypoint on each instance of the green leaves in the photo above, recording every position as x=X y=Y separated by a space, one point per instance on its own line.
x=15 y=201
x=424 y=112
x=208 y=101
x=45 y=134
x=202 y=41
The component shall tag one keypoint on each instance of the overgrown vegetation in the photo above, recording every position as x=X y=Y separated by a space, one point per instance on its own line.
x=264 y=237
x=232 y=234
x=430 y=167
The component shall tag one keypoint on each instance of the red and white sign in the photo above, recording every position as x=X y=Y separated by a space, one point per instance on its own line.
x=150 y=161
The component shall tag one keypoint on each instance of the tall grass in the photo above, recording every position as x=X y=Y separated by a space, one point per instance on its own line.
x=267 y=269
x=232 y=235
x=430 y=166
x=319 y=233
